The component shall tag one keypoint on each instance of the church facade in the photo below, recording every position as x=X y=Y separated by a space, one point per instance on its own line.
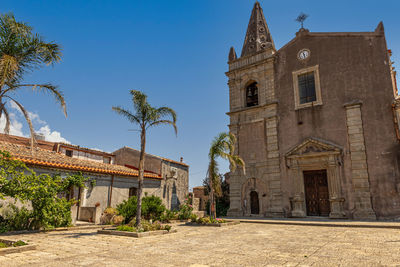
x=316 y=124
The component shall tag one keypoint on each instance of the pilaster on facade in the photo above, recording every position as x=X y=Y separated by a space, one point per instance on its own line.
x=273 y=171
x=359 y=169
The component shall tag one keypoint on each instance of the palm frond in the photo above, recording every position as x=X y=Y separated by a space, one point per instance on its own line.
x=7 y=126
x=127 y=114
x=27 y=118
x=223 y=146
x=168 y=122
x=49 y=52
x=49 y=88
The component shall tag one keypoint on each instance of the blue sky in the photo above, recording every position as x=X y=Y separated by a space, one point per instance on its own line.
x=174 y=51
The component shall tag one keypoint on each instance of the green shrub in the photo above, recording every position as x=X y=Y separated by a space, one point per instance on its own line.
x=204 y=220
x=168 y=215
x=3 y=245
x=132 y=222
x=193 y=218
x=110 y=211
x=126 y=228
x=19 y=243
x=167 y=227
x=185 y=210
x=128 y=209
x=152 y=208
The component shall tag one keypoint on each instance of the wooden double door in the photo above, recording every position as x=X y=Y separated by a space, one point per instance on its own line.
x=317 y=193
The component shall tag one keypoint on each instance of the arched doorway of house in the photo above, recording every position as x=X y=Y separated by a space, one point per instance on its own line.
x=254 y=203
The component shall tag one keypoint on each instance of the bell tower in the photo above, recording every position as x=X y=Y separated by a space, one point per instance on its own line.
x=254 y=121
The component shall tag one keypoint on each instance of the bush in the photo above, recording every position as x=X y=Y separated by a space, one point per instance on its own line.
x=128 y=209
x=152 y=208
x=117 y=220
x=146 y=226
x=168 y=215
x=193 y=218
x=51 y=213
x=110 y=211
x=206 y=220
x=126 y=228
x=19 y=243
x=108 y=215
x=185 y=210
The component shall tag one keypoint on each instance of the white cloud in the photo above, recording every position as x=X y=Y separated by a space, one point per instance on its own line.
x=16 y=126
x=51 y=136
x=33 y=116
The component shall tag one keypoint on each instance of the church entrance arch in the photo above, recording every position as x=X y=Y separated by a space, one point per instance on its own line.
x=254 y=203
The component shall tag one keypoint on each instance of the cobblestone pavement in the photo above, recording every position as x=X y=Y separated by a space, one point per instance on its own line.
x=246 y=244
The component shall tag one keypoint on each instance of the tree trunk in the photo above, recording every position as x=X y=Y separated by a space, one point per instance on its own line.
x=212 y=206
x=141 y=175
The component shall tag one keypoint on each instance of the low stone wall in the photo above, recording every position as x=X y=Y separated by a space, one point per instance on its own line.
x=213 y=224
x=4 y=251
x=134 y=234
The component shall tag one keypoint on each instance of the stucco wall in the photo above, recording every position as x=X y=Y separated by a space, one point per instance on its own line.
x=174 y=186
x=131 y=157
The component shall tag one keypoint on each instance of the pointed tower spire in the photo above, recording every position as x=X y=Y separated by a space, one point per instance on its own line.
x=232 y=54
x=258 y=36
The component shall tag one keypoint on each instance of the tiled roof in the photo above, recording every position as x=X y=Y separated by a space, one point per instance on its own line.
x=85 y=149
x=52 y=159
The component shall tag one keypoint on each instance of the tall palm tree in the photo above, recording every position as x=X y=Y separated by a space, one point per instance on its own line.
x=21 y=51
x=145 y=116
x=223 y=146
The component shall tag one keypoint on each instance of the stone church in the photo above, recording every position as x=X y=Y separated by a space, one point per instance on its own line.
x=316 y=124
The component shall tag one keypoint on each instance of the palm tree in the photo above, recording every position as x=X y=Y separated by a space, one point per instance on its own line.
x=21 y=51
x=223 y=146
x=145 y=116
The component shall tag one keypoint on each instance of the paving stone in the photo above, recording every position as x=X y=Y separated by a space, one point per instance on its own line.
x=247 y=244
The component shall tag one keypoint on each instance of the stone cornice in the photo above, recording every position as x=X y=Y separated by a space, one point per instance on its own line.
x=274 y=102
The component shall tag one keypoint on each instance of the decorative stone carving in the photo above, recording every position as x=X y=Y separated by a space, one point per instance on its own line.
x=314 y=154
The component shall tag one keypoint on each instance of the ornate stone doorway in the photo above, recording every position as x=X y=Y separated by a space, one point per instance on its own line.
x=254 y=203
x=317 y=193
x=306 y=160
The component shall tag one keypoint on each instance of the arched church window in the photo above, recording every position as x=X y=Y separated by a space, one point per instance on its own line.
x=252 y=95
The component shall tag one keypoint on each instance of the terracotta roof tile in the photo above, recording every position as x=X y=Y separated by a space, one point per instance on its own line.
x=47 y=158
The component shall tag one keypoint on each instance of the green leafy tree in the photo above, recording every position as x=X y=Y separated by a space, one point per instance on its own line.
x=21 y=51
x=145 y=116
x=42 y=191
x=221 y=202
x=223 y=146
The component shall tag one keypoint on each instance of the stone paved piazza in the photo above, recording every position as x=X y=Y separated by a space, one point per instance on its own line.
x=247 y=244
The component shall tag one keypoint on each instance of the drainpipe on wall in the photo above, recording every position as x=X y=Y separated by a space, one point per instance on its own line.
x=111 y=188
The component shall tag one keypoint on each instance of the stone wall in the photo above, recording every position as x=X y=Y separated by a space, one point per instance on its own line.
x=174 y=186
